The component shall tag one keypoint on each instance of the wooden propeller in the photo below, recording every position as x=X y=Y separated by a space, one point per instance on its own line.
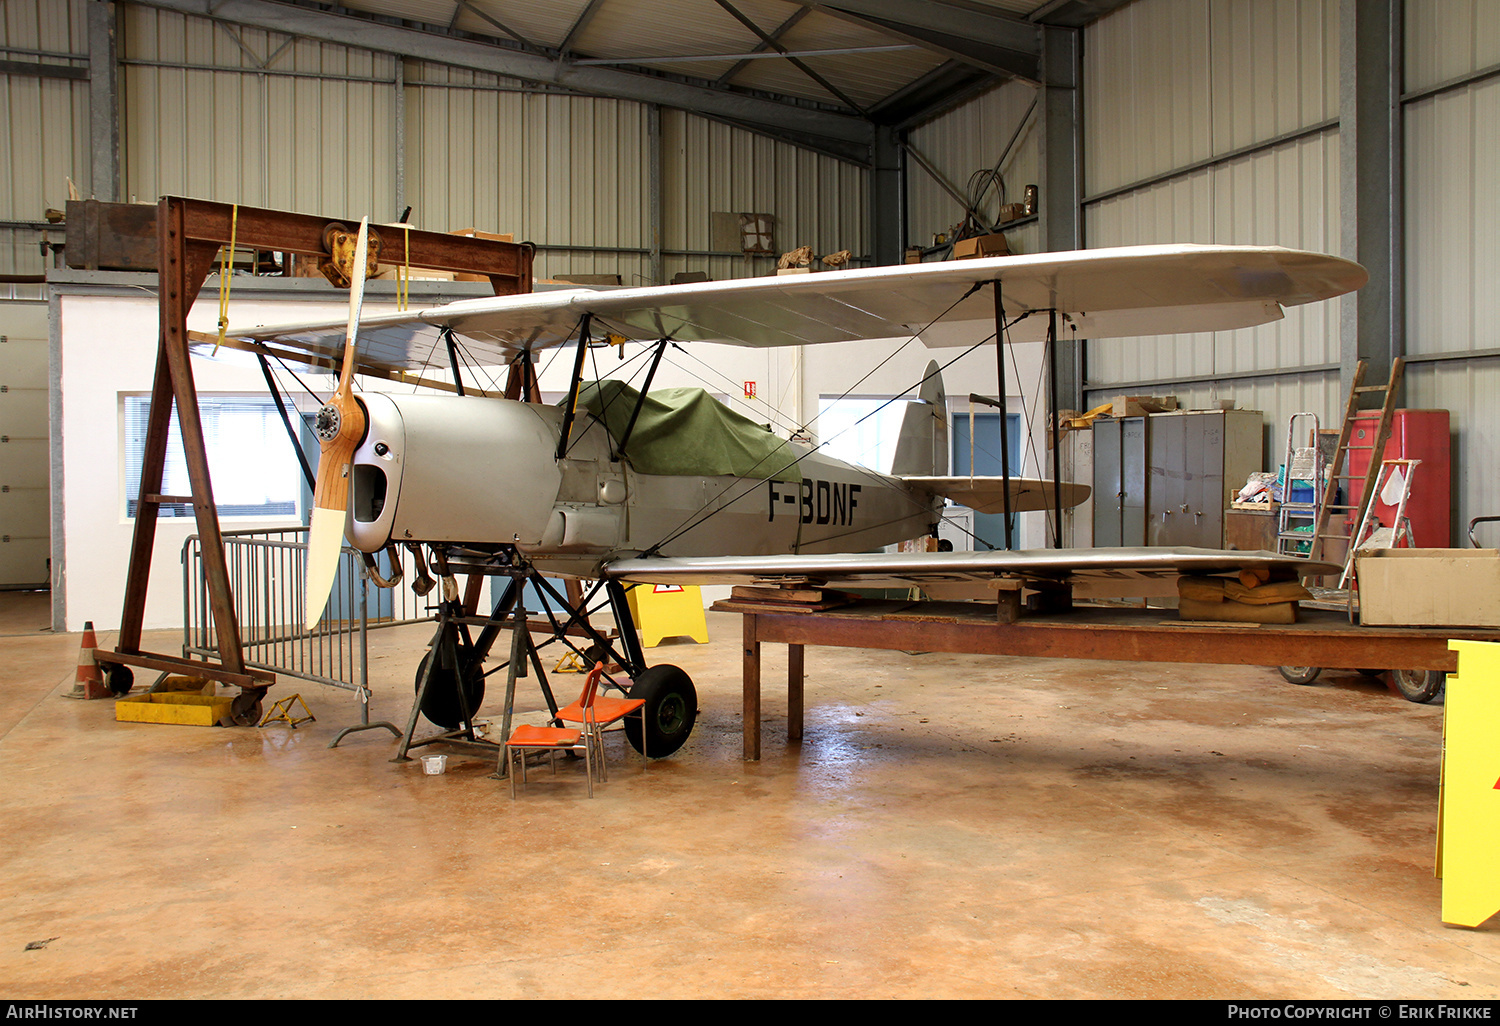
x=339 y=426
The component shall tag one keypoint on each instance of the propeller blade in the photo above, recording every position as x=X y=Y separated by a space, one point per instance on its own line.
x=339 y=426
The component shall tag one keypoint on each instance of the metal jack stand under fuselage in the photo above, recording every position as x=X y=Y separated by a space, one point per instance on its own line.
x=456 y=655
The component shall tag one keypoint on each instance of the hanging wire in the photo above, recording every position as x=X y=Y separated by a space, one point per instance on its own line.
x=471 y=362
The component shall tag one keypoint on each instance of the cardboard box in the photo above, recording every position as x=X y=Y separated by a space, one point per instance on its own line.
x=1429 y=587
x=981 y=246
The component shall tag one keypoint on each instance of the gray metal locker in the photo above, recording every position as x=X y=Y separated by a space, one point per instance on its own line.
x=1120 y=481
x=1166 y=479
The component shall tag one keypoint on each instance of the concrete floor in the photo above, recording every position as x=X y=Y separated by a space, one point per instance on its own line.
x=949 y=827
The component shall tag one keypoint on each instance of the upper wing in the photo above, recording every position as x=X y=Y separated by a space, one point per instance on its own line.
x=916 y=569
x=1098 y=293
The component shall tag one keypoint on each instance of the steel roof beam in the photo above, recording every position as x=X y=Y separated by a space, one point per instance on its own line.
x=771 y=116
x=766 y=44
x=977 y=36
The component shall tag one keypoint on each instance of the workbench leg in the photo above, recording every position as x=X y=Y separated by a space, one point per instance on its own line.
x=794 y=692
x=752 y=690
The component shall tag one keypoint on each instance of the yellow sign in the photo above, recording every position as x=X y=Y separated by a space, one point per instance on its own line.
x=668 y=611
x=1469 y=800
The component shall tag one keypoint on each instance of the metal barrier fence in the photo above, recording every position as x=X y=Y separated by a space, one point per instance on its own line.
x=267 y=579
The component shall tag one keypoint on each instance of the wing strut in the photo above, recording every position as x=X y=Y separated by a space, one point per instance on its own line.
x=661 y=347
x=286 y=419
x=458 y=378
x=1004 y=413
x=1054 y=424
x=574 y=385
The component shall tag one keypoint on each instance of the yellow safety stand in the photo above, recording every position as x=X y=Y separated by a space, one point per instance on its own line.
x=572 y=662
x=1469 y=798
x=280 y=713
x=668 y=611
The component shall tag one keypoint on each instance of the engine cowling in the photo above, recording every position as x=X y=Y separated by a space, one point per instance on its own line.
x=449 y=469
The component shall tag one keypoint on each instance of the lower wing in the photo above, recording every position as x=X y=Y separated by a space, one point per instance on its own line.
x=917 y=569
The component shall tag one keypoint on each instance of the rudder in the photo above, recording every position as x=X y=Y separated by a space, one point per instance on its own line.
x=922 y=448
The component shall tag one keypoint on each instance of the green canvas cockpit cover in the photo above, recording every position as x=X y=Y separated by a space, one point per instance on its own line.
x=686 y=431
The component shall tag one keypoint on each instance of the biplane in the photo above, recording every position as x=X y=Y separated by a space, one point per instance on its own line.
x=618 y=486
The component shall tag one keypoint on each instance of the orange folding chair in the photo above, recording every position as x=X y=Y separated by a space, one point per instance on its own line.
x=605 y=712
x=527 y=738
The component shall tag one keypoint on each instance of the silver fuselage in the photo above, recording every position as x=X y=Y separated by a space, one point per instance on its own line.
x=483 y=472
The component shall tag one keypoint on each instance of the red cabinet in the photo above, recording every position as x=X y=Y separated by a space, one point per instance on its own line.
x=1415 y=435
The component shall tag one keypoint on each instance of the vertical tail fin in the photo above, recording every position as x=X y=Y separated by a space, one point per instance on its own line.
x=922 y=449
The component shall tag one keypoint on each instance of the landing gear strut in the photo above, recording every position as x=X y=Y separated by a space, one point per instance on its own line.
x=671 y=700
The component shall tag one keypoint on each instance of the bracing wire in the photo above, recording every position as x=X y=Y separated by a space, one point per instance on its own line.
x=699 y=516
x=695 y=518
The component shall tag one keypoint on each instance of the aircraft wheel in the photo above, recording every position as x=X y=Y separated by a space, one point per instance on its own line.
x=1419 y=685
x=440 y=704
x=671 y=709
x=1300 y=674
x=119 y=679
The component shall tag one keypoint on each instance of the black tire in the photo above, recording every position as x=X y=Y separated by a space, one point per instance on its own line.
x=1419 y=685
x=1300 y=674
x=671 y=710
x=440 y=704
x=119 y=679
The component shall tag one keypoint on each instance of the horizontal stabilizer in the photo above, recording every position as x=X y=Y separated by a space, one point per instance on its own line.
x=987 y=494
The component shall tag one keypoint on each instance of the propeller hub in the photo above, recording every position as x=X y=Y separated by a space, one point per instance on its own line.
x=326 y=424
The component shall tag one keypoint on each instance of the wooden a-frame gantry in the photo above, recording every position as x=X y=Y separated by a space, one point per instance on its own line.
x=189 y=235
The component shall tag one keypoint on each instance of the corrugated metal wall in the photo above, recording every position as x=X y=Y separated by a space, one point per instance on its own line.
x=317 y=136
x=707 y=166
x=44 y=129
x=490 y=153
x=244 y=115
x=963 y=143
x=1453 y=239
x=1170 y=85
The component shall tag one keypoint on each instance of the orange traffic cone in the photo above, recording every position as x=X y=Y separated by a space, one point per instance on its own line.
x=89 y=682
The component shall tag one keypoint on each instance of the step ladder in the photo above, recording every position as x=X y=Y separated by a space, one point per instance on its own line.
x=1305 y=464
x=1371 y=533
x=1337 y=520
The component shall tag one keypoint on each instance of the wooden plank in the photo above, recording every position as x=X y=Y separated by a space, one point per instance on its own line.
x=752 y=593
x=1130 y=635
x=751 y=705
x=795 y=677
x=251 y=678
x=184 y=268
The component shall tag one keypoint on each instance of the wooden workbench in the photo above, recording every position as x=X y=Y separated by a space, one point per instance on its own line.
x=1323 y=638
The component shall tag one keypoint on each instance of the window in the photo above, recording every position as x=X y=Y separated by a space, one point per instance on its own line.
x=862 y=431
x=250 y=459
